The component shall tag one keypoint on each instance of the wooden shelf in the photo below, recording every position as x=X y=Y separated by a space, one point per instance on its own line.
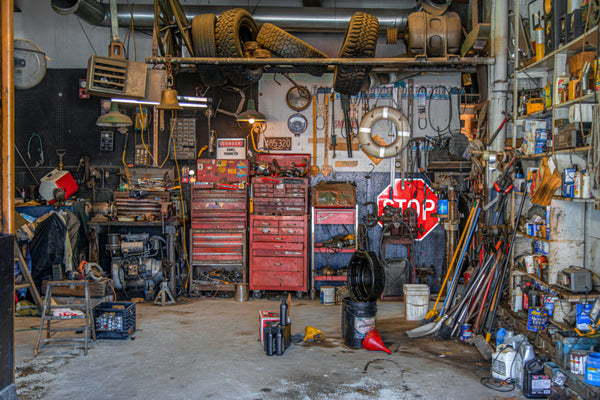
x=561 y=198
x=581 y=149
x=519 y=233
x=545 y=113
x=547 y=63
x=562 y=293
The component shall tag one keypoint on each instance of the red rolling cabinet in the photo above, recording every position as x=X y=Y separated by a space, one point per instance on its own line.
x=279 y=244
x=219 y=215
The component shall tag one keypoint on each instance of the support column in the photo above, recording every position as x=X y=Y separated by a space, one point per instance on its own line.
x=7 y=114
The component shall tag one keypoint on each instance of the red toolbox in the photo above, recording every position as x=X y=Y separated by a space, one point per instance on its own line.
x=219 y=215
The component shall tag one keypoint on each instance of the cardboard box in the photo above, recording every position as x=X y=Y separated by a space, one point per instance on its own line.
x=264 y=317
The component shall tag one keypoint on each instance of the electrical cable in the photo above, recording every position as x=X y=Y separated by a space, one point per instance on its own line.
x=142 y=119
x=185 y=254
x=41 y=160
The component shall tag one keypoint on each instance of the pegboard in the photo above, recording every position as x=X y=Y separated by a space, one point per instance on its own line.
x=272 y=89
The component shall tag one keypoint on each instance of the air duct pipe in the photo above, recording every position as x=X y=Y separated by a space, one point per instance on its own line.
x=294 y=19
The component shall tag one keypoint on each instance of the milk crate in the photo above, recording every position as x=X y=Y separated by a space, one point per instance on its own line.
x=114 y=320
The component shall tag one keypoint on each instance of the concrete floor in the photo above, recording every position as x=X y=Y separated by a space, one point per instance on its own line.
x=209 y=349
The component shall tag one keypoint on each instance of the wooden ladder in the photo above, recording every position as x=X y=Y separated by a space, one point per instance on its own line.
x=25 y=272
x=48 y=316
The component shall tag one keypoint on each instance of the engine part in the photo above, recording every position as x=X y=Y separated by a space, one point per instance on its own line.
x=433 y=36
x=136 y=261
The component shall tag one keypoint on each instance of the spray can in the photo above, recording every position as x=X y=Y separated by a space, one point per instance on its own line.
x=561 y=87
x=540 y=46
x=586 y=185
x=517 y=299
x=577 y=185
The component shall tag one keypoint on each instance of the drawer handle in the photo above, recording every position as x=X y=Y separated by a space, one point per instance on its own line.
x=278 y=238
x=277 y=264
x=277 y=247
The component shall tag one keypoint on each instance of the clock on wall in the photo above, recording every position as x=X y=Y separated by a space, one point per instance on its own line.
x=298 y=98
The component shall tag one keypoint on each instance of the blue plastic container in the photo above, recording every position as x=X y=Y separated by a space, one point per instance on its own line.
x=442 y=207
x=592 y=369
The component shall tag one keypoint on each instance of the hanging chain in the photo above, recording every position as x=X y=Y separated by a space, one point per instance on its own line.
x=169 y=69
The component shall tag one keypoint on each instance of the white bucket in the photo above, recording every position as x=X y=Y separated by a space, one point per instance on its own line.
x=328 y=295
x=416 y=299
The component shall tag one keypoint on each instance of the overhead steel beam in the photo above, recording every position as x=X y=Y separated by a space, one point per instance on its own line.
x=393 y=61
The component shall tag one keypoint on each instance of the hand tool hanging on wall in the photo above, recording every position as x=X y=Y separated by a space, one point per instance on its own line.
x=333 y=136
x=326 y=169
x=346 y=110
x=314 y=168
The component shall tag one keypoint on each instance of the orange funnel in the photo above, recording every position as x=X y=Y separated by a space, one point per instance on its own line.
x=373 y=342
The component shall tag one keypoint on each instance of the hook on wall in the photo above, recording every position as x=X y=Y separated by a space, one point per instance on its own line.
x=368 y=175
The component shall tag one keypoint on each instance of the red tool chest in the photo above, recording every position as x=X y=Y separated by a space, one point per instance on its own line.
x=278 y=252
x=279 y=226
x=219 y=215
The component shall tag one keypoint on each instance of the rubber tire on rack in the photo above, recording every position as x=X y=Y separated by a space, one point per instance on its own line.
x=203 y=40
x=360 y=41
x=366 y=277
x=234 y=28
x=285 y=45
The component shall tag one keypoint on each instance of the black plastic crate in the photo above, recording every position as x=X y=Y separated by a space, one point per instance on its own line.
x=114 y=320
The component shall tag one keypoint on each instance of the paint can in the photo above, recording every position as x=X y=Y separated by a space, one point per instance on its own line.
x=241 y=292
x=328 y=295
x=466 y=331
x=577 y=360
x=529 y=262
x=416 y=298
x=592 y=369
x=538 y=319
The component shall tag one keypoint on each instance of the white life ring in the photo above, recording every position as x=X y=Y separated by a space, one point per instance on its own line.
x=371 y=118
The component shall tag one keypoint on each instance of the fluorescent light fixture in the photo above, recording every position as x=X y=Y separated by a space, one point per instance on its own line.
x=201 y=101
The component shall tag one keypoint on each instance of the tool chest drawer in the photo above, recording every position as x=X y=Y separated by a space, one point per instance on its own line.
x=266 y=280
x=278 y=264
x=218 y=246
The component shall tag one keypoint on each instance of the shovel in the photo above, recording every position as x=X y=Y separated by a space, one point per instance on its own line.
x=427 y=329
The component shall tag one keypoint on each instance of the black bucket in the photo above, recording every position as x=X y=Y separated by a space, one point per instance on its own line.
x=358 y=319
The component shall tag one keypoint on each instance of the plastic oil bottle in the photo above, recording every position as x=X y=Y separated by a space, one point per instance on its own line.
x=502 y=363
x=536 y=384
x=524 y=354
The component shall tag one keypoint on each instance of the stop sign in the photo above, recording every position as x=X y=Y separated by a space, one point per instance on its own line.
x=417 y=195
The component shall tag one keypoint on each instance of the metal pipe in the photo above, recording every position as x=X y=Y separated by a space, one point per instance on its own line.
x=295 y=19
x=7 y=155
x=391 y=61
x=499 y=84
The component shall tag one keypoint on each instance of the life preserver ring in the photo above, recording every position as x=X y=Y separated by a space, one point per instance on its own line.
x=374 y=149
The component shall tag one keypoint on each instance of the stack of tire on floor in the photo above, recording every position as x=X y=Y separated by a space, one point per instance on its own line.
x=234 y=34
x=365 y=282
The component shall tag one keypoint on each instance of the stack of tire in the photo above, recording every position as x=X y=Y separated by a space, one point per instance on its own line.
x=227 y=36
x=365 y=283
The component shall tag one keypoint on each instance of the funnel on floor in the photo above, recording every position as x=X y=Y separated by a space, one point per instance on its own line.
x=373 y=342
x=312 y=333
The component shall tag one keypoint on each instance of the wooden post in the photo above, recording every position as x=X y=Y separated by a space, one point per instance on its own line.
x=7 y=115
